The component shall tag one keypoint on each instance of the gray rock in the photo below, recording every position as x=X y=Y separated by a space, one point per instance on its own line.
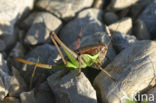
x=17 y=83
x=98 y=38
x=44 y=94
x=11 y=100
x=134 y=71
x=110 y=17
x=18 y=50
x=70 y=88
x=121 y=4
x=47 y=54
x=122 y=41
x=29 y=20
x=64 y=8
x=27 y=97
x=123 y=26
x=43 y=23
x=9 y=40
x=89 y=20
x=3 y=46
x=4 y=78
x=141 y=30
x=136 y=9
x=148 y=17
x=98 y=3
x=10 y=13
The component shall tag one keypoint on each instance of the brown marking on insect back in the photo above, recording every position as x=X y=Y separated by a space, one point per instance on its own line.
x=92 y=50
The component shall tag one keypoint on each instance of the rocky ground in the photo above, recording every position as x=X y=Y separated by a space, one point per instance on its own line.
x=130 y=59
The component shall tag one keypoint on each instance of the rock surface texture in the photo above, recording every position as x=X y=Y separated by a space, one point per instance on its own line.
x=90 y=21
x=120 y=26
x=41 y=26
x=148 y=17
x=10 y=13
x=72 y=87
x=133 y=73
x=121 y=4
x=64 y=8
x=4 y=78
x=122 y=32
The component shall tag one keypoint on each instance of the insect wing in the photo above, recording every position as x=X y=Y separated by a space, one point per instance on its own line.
x=89 y=60
x=73 y=61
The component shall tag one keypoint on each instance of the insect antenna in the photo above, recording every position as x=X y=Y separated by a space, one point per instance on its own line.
x=79 y=39
x=109 y=34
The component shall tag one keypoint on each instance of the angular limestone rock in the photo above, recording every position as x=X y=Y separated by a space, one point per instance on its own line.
x=64 y=8
x=10 y=12
x=27 y=97
x=134 y=69
x=123 y=26
x=71 y=88
x=89 y=20
x=42 y=24
x=121 y=4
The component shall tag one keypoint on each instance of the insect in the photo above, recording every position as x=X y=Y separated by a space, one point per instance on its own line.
x=89 y=56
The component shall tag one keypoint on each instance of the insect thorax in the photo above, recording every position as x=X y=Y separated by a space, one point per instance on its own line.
x=93 y=50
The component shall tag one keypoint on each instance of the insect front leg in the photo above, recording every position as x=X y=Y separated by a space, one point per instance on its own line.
x=55 y=43
x=79 y=69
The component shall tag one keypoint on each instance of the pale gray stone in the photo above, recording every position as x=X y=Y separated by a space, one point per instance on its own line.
x=64 y=8
x=134 y=70
x=27 y=97
x=123 y=26
x=121 y=4
x=4 y=78
x=71 y=88
x=98 y=3
x=43 y=23
x=10 y=11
